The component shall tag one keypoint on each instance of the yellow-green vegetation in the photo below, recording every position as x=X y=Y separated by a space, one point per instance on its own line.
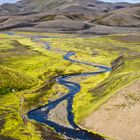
x=117 y=79
x=13 y=124
x=28 y=71
x=103 y=50
x=13 y=81
x=26 y=66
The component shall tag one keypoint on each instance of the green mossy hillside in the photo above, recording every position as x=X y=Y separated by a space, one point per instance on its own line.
x=12 y=81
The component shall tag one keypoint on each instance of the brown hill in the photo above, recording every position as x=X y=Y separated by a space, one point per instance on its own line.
x=129 y=17
x=69 y=16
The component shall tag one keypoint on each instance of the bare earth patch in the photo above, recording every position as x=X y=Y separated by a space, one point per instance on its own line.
x=59 y=114
x=119 y=117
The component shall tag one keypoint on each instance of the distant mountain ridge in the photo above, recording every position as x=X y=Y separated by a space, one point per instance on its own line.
x=60 y=5
x=69 y=16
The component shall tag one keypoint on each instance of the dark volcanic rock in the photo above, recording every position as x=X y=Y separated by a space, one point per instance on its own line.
x=2 y=137
x=117 y=63
x=47 y=133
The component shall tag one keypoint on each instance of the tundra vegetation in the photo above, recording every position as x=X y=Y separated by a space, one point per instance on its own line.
x=28 y=71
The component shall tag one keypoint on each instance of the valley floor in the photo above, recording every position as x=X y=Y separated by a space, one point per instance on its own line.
x=30 y=63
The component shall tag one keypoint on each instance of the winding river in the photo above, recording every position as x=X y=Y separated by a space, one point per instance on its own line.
x=41 y=114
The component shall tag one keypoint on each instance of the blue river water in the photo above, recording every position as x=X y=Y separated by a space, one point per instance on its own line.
x=41 y=114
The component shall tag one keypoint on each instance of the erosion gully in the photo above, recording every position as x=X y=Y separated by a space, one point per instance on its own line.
x=41 y=114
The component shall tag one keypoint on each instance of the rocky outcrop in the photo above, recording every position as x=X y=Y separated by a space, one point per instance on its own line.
x=117 y=63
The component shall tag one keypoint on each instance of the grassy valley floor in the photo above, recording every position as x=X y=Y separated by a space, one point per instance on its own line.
x=28 y=71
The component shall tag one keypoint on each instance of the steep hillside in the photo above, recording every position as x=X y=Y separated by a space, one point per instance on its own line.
x=123 y=17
